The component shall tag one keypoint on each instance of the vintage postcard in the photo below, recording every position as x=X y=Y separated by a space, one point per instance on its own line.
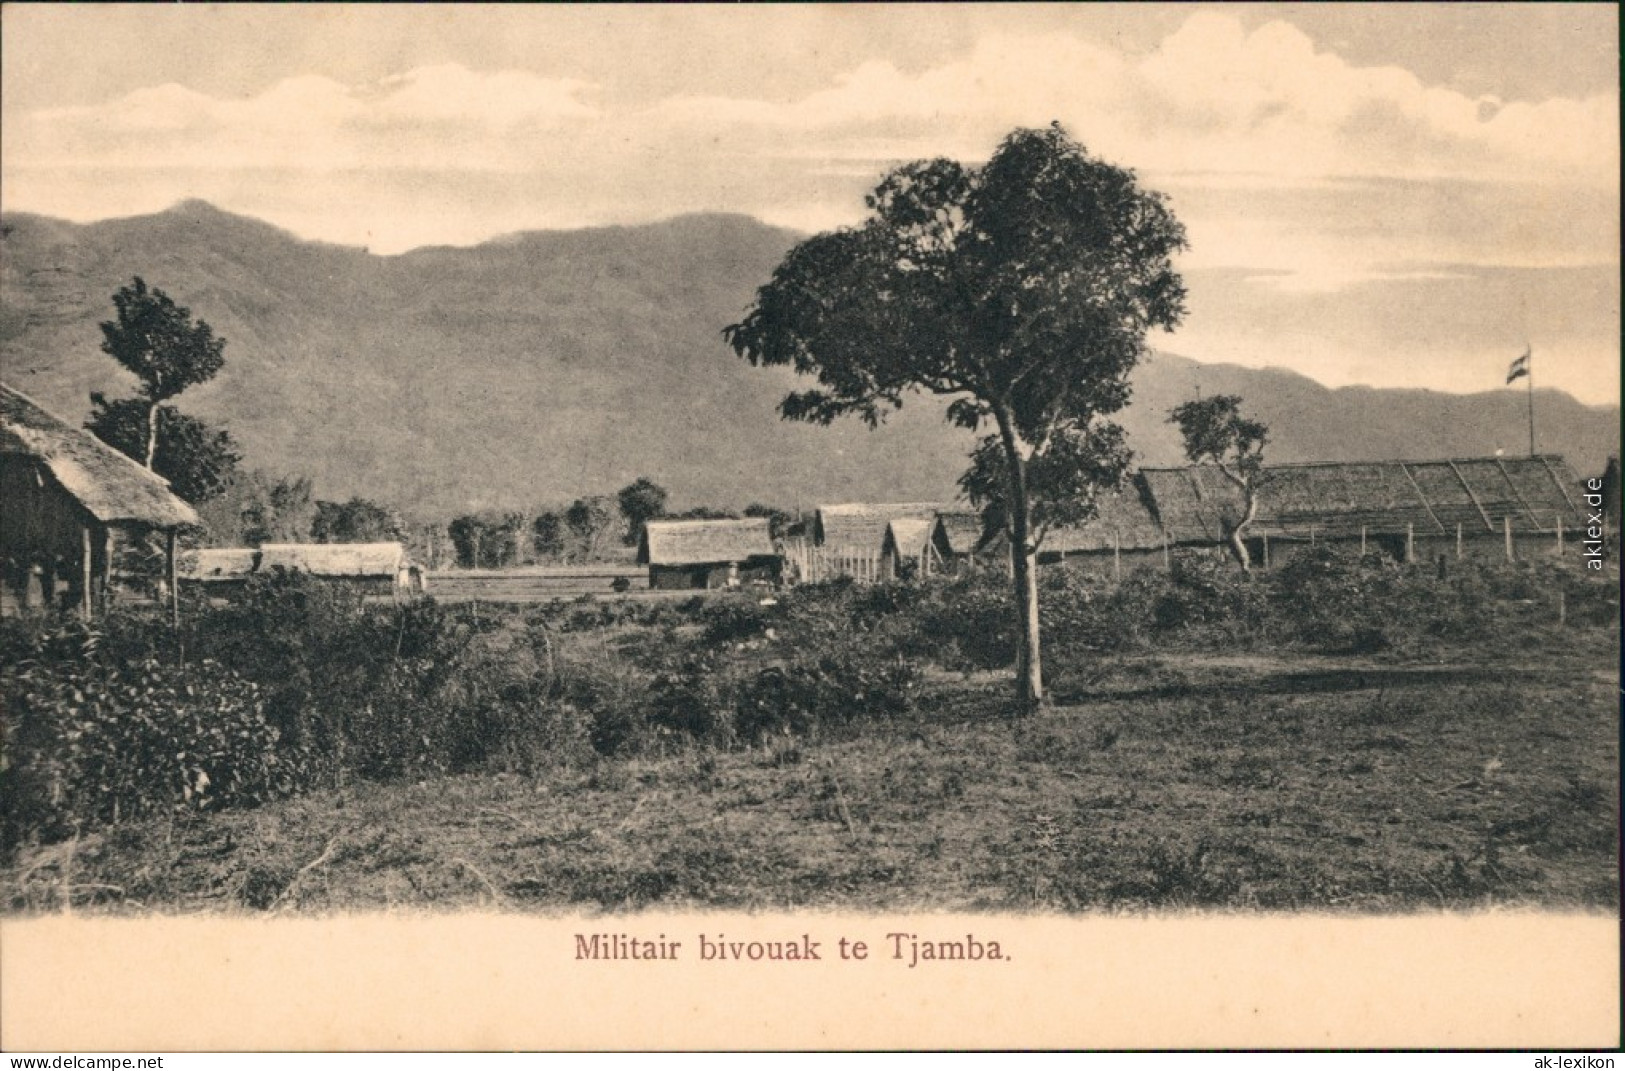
x=924 y=526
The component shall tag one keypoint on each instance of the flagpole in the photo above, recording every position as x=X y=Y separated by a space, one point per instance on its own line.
x=1530 y=374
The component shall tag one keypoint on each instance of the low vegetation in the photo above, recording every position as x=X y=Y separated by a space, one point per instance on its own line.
x=1338 y=732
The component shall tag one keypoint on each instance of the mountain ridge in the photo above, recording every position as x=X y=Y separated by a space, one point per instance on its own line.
x=548 y=364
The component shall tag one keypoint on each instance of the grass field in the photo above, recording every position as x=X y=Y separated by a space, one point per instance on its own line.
x=1171 y=781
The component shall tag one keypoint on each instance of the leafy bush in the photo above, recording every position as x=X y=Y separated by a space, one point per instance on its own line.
x=87 y=744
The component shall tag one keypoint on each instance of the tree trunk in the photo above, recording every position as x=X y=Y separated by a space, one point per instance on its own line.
x=1024 y=573
x=1237 y=546
x=152 y=432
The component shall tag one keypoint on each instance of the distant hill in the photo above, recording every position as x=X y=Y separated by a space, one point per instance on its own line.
x=545 y=365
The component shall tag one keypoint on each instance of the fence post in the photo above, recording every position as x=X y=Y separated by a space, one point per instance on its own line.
x=1362 y=540
x=1410 y=542
x=1117 y=558
x=1266 y=552
x=1506 y=529
x=1458 y=540
x=1559 y=517
x=1167 y=559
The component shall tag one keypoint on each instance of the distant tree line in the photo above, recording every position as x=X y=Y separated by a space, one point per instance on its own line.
x=591 y=528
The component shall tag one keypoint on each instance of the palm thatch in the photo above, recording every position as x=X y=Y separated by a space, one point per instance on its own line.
x=1123 y=520
x=958 y=533
x=705 y=542
x=355 y=561
x=112 y=488
x=217 y=563
x=1535 y=494
x=907 y=537
x=861 y=526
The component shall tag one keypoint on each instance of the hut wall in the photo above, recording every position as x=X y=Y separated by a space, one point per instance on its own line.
x=677 y=577
x=42 y=539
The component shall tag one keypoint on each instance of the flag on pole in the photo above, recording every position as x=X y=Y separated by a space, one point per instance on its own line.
x=1520 y=367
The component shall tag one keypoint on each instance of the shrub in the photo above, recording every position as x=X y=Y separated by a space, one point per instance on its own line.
x=86 y=744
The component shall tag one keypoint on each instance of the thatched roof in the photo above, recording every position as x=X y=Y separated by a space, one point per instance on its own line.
x=1340 y=499
x=355 y=560
x=1122 y=520
x=961 y=531
x=111 y=487
x=705 y=542
x=907 y=537
x=862 y=525
x=217 y=563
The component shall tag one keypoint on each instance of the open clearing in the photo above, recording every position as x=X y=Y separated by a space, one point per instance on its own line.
x=1275 y=782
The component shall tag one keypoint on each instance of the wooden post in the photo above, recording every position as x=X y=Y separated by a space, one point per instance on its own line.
x=107 y=570
x=1559 y=517
x=1506 y=529
x=174 y=581
x=85 y=573
x=1311 y=535
x=1562 y=607
x=1167 y=559
x=1117 y=558
x=1266 y=552
x=1410 y=542
x=1362 y=540
x=1458 y=540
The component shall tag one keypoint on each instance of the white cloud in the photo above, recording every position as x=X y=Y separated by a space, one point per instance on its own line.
x=1212 y=108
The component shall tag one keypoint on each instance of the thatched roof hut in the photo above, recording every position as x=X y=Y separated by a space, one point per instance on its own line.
x=957 y=534
x=374 y=565
x=862 y=525
x=1123 y=521
x=701 y=542
x=355 y=561
x=218 y=564
x=109 y=486
x=708 y=553
x=69 y=499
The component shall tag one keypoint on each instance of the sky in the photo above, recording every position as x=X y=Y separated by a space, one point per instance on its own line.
x=1393 y=195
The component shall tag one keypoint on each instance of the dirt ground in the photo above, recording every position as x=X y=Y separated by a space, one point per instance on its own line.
x=1254 y=782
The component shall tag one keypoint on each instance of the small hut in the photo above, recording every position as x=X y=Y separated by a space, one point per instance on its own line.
x=956 y=541
x=70 y=502
x=906 y=549
x=374 y=568
x=709 y=553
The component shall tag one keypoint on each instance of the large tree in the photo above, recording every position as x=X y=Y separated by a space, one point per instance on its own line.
x=1022 y=289
x=160 y=343
x=1216 y=433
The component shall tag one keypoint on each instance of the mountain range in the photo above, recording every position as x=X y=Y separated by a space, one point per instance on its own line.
x=542 y=366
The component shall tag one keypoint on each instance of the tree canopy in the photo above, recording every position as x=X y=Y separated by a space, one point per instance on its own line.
x=157 y=340
x=199 y=461
x=641 y=501
x=1215 y=433
x=1022 y=289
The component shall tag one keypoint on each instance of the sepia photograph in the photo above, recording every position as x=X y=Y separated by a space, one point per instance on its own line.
x=855 y=526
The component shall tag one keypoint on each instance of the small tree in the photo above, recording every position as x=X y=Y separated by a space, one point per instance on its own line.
x=199 y=461
x=589 y=521
x=548 y=535
x=1216 y=433
x=1022 y=289
x=641 y=501
x=1064 y=481
x=359 y=520
x=157 y=340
